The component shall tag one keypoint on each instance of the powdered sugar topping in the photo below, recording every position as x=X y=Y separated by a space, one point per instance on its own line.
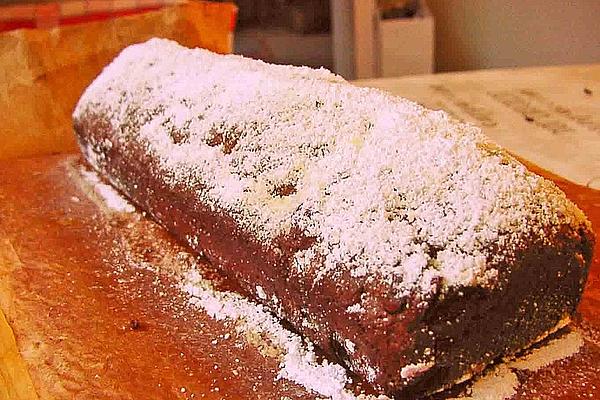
x=384 y=186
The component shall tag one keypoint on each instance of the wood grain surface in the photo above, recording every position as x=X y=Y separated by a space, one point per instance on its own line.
x=91 y=297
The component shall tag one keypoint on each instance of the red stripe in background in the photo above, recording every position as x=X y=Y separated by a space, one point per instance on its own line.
x=17 y=24
x=233 y=20
x=76 y=19
x=48 y=15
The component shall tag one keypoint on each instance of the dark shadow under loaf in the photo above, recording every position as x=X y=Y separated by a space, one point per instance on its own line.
x=401 y=242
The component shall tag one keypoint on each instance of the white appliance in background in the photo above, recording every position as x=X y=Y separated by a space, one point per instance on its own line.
x=406 y=45
x=365 y=45
x=351 y=37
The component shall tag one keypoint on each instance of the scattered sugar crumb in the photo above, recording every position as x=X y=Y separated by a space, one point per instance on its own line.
x=411 y=370
x=355 y=308
x=260 y=292
x=498 y=384
x=349 y=346
x=110 y=197
x=555 y=350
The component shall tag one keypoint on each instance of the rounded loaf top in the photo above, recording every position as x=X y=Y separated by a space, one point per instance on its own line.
x=384 y=186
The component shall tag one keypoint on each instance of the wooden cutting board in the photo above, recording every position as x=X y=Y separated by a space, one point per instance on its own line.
x=91 y=319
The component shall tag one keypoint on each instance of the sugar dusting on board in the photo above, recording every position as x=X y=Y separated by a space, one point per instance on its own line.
x=299 y=362
x=110 y=197
x=386 y=188
x=501 y=382
x=555 y=350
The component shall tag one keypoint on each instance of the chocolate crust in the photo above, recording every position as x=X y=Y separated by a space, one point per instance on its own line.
x=460 y=330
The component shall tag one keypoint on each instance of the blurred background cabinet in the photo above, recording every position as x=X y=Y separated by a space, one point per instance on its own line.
x=364 y=39
x=355 y=38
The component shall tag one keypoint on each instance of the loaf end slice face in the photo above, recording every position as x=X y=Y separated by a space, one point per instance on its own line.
x=402 y=242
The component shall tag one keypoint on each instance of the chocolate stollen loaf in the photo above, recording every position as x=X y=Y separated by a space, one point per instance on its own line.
x=402 y=242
